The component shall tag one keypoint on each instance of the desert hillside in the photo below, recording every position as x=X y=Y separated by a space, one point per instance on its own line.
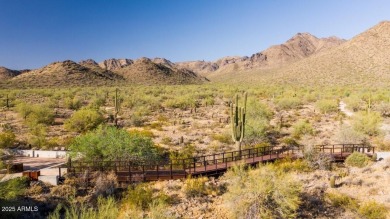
x=300 y=46
x=63 y=74
x=363 y=60
x=109 y=72
x=6 y=73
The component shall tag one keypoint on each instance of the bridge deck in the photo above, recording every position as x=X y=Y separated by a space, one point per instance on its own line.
x=207 y=165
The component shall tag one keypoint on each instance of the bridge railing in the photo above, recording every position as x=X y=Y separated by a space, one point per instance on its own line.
x=199 y=164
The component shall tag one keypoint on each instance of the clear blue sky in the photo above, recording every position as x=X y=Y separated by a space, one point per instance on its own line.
x=34 y=33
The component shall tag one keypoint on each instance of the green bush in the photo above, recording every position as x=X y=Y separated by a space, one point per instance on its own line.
x=341 y=200
x=223 y=138
x=36 y=114
x=261 y=193
x=195 y=186
x=84 y=120
x=140 y=196
x=287 y=103
x=288 y=165
x=111 y=143
x=7 y=139
x=373 y=210
x=367 y=123
x=357 y=159
x=106 y=209
x=302 y=127
x=38 y=136
x=327 y=106
x=73 y=103
x=355 y=103
x=13 y=188
x=23 y=109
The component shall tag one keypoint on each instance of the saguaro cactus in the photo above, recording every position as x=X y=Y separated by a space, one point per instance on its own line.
x=7 y=102
x=117 y=107
x=237 y=116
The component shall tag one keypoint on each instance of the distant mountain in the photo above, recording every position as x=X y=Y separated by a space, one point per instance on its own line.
x=109 y=72
x=300 y=46
x=115 y=64
x=303 y=59
x=6 y=73
x=64 y=74
x=365 y=59
x=146 y=71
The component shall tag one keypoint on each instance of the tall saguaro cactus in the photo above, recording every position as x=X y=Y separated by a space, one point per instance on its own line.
x=117 y=106
x=237 y=116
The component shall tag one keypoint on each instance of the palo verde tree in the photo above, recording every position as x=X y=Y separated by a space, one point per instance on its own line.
x=237 y=116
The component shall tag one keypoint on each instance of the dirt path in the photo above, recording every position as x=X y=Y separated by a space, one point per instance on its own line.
x=385 y=126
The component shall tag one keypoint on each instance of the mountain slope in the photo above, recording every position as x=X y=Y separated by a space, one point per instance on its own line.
x=145 y=71
x=6 y=73
x=365 y=60
x=300 y=46
x=66 y=73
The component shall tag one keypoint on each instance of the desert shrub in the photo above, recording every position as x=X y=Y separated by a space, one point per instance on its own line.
x=257 y=123
x=182 y=102
x=72 y=103
x=140 y=196
x=143 y=132
x=106 y=209
x=208 y=101
x=84 y=120
x=38 y=136
x=105 y=184
x=357 y=159
x=383 y=108
x=341 y=200
x=316 y=159
x=288 y=165
x=13 y=188
x=261 y=193
x=327 y=105
x=348 y=135
x=107 y=143
x=7 y=139
x=302 y=127
x=290 y=141
x=287 y=103
x=23 y=109
x=36 y=114
x=354 y=103
x=195 y=186
x=367 y=123
x=223 y=138
x=373 y=210
x=66 y=191
x=186 y=152
x=158 y=210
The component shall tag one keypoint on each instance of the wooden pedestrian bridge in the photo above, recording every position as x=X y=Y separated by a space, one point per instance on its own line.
x=215 y=164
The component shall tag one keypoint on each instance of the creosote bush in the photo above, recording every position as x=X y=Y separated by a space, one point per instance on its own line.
x=373 y=210
x=287 y=103
x=195 y=186
x=367 y=123
x=357 y=159
x=7 y=139
x=302 y=127
x=106 y=209
x=261 y=193
x=327 y=106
